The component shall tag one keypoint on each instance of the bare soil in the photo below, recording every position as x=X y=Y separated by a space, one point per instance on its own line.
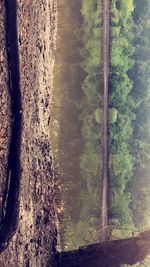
x=34 y=240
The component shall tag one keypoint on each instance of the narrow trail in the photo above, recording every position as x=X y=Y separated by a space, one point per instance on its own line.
x=105 y=55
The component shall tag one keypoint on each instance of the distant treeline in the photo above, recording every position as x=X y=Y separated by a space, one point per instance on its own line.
x=129 y=123
x=81 y=120
x=90 y=159
x=129 y=103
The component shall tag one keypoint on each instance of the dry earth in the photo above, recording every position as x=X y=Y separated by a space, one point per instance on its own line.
x=35 y=238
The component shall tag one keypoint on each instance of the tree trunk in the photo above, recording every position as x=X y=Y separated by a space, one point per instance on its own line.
x=111 y=253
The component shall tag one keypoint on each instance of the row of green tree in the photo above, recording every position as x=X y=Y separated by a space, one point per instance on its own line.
x=90 y=105
x=140 y=74
x=128 y=103
x=79 y=119
x=121 y=104
x=129 y=132
x=129 y=90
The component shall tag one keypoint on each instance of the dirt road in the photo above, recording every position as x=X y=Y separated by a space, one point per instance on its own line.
x=105 y=53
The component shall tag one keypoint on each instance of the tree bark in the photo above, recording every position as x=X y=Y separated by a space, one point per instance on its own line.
x=111 y=253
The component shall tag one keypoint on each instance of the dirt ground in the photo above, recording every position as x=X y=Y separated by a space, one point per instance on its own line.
x=35 y=238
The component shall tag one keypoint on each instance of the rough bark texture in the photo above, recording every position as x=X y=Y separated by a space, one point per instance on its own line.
x=35 y=237
x=113 y=253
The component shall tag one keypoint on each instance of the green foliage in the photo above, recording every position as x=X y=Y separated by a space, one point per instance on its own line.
x=121 y=109
x=77 y=145
x=120 y=208
x=130 y=96
x=113 y=115
x=141 y=135
x=91 y=117
x=129 y=118
x=90 y=121
x=127 y=7
x=98 y=115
